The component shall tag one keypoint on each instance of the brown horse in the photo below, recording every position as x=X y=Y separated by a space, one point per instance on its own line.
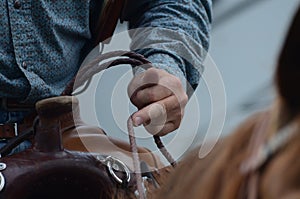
x=261 y=158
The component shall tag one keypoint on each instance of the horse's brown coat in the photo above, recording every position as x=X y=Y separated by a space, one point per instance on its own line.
x=220 y=174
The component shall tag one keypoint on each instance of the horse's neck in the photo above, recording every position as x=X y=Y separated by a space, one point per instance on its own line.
x=279 y=116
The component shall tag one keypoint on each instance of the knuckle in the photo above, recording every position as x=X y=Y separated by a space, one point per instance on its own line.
x=175 y=106
x=152 y=70
x=151 y=76
x=178 y=116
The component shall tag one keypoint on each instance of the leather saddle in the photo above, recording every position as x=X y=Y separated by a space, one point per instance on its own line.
x=70 y=159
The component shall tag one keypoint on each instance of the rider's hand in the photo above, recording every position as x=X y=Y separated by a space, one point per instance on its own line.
x=160 y=99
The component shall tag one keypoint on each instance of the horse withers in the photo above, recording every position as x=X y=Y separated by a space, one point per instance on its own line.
x=261 y=158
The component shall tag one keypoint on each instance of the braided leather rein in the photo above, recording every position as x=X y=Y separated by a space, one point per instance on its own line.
x=95 y=66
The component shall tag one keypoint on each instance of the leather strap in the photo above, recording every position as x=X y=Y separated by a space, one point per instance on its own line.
x=11 y=130
x=249 y=167
x=14 y=105
x=107 y=21
x=7 y=131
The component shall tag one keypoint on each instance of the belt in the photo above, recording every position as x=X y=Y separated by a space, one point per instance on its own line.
x=10 y=130
x=8 y=104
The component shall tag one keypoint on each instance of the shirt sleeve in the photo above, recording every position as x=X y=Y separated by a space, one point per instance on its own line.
x=172 y=34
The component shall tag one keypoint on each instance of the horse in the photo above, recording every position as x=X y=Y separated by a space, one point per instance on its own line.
x=260 y=159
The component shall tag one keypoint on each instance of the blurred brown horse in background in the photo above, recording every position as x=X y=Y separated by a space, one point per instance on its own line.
x=261 y=158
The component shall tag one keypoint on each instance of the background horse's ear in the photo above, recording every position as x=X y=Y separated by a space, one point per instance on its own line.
x=288 y=70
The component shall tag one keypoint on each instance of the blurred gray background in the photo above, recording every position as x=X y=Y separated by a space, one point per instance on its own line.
x=246 y=39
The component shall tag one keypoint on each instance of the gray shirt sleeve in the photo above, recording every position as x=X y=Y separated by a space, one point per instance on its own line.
x=172 y=34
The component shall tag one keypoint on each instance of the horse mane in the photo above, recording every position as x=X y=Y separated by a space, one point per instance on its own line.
x=288 y=69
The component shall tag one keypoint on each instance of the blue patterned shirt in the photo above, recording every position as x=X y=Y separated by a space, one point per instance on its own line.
x=43 y=42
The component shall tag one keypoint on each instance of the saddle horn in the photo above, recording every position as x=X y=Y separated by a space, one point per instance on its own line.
x=47 y=170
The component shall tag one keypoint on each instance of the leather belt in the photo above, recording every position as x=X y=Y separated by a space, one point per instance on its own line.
x=10 y=130
x=14 y=105
x=7 y=130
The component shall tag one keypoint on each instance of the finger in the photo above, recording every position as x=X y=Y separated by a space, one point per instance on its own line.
x=149 y=95
x=162 y=130
x=148 y=78
x=172 y=123
x=156 y=113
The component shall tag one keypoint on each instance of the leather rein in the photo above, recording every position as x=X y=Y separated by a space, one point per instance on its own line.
x=262 y=148
x=87 y=71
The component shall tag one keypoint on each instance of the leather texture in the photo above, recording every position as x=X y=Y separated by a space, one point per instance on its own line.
x=63 y=163
x=78 y=136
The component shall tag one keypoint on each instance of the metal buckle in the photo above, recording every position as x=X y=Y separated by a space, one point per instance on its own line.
x=116 y=164
x=16 y=128
x=113 y=164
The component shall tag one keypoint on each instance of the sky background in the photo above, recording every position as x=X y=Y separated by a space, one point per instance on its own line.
x=246 y=39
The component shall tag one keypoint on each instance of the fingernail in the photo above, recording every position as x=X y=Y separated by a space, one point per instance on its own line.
x=138 y=121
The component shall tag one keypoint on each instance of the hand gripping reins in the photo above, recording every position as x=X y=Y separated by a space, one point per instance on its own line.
x=95 y=66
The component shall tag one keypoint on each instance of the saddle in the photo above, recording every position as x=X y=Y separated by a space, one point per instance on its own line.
x=70 y=159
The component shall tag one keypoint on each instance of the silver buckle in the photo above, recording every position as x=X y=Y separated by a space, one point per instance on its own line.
x=16 y=128
x=112 y=164
x=116 y=164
